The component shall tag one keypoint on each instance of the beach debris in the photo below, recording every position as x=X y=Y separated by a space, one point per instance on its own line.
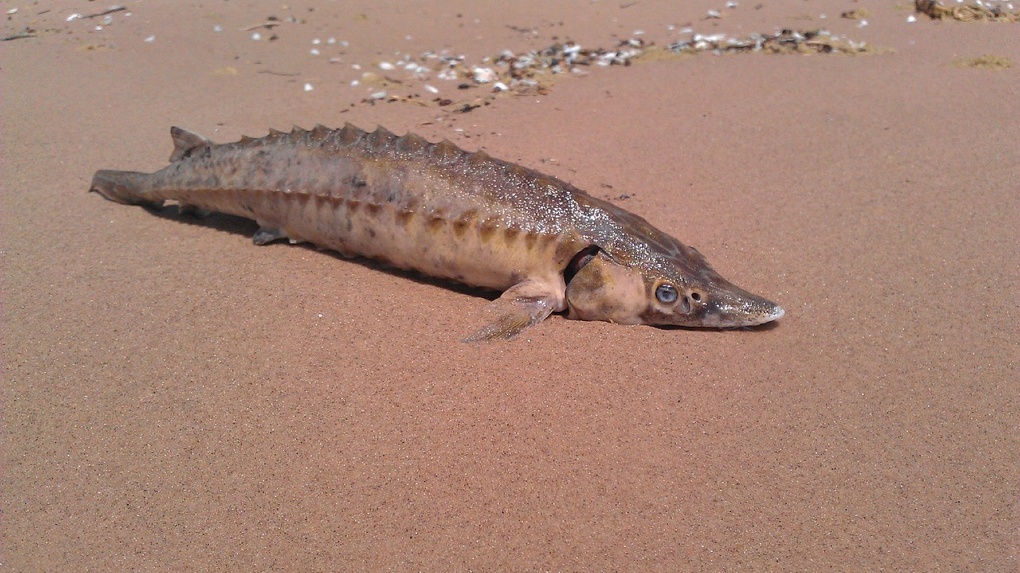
x=980 y=10
x=985 y=62
x=109 y=10
x=783 y=42
x=532 y=73
x=858 y=14
x=26 y=33
x=270 y=23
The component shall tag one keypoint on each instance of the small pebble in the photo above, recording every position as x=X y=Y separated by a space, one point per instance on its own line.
x=150 y=39
x=386 y=66
x=308 y=87
x=431 y=89
x=911 y=19
x=314 y=51
x=217 y=28
x=256 y=36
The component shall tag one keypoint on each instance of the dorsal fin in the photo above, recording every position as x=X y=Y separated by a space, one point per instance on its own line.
x=186 y=143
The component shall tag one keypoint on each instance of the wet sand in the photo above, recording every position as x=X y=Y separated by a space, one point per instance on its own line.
x=176 y=398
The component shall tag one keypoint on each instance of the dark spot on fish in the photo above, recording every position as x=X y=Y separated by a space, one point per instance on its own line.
x=434 y=223
x=464 y=221
x=460 y=227
x=487 y=230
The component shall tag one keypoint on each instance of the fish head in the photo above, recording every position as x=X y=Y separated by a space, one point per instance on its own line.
x=674 y=291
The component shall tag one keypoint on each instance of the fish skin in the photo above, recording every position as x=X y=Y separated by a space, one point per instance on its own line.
x=448 y=213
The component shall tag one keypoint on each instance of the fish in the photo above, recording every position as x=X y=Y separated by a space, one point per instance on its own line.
x=452 y=214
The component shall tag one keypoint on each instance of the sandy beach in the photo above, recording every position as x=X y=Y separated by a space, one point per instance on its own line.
x=178 y=399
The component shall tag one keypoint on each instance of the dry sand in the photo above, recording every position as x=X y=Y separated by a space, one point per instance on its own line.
x=176 y=399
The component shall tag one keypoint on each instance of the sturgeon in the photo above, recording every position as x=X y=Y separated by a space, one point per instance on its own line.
x=445 y=212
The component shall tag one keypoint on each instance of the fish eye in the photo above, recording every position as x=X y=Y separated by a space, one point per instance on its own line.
x=666 y=293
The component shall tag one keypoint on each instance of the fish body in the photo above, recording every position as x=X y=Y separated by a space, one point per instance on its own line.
x=445 y=212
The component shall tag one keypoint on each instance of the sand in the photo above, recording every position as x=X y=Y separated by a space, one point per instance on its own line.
x=177 y=399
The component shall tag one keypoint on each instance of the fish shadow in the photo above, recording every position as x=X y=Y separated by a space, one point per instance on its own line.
x=757 y=328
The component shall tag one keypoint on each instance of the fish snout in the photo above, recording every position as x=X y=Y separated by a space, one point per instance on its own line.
x=738 y=308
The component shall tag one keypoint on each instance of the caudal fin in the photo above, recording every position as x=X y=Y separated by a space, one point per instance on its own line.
x=123 y=187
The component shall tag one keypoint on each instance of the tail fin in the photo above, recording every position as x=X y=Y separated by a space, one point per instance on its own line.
x=123 y=187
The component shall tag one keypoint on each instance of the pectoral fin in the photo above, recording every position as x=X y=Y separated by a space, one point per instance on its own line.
x=520 y=307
